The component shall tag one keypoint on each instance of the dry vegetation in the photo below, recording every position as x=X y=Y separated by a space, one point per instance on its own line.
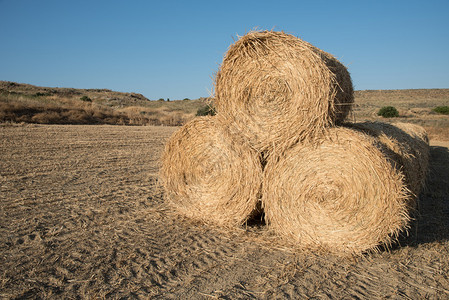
x=23 y=103
x=42 y=105
x=83 y=216
x=414 y=106
x=275 y=89
x=343 y=190
x=341 y=194
x=203 y=170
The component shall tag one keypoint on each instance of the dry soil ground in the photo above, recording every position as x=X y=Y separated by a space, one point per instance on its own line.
x=82 y=216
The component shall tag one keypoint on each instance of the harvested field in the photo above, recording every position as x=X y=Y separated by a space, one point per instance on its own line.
x=82 y=216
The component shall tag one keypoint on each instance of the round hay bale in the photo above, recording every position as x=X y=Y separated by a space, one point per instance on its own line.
x=275 y=89
x=408 y=145
x=342 y=195
x=209 y=177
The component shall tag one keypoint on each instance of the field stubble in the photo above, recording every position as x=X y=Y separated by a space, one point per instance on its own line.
x=82 y=216
x=414 y=106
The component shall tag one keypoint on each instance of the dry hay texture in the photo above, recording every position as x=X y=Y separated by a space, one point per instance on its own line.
x=208 y=176
x=274 y=89
x=342 y=189
x=408 y=145
x=346 y=194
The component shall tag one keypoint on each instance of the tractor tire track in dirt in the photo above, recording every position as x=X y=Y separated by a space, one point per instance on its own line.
x=82 y=215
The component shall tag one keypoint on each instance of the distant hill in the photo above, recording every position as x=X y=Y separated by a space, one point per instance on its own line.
x=104 y=94
x=51 y=105
x=47 y=105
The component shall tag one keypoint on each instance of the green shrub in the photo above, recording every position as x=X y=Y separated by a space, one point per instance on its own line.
x=205 y=111
x=442 y=110
x=40 y=94
x=86 y=99
x=388 y=112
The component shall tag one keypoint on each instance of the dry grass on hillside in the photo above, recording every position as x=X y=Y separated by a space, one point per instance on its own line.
x=21 y=102
x=414 y=106
x=31 y=104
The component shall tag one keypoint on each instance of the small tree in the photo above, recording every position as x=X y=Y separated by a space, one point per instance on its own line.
x=388 y=112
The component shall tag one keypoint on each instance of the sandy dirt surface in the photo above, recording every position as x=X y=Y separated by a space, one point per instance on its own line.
x=82 y=216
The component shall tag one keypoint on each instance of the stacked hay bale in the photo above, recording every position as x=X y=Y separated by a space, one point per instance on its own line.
x=210 y=177
x=351 y=191
x=408 y=145
x=278 y=141
x=274 y=89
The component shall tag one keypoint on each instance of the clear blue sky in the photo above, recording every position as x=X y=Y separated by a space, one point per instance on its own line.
x=171 y=49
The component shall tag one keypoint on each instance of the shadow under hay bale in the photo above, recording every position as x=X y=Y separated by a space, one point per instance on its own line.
x=274 y=89
x=408 y=145
x=344 y=194
x=209 y=177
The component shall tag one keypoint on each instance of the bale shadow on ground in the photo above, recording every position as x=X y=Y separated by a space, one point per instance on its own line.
x=431 y=222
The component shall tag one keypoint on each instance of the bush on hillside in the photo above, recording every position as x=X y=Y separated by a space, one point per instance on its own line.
x=205 y=111
x=442 y=110
x=41 y=94
x=388 y=112
x=86 y=99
